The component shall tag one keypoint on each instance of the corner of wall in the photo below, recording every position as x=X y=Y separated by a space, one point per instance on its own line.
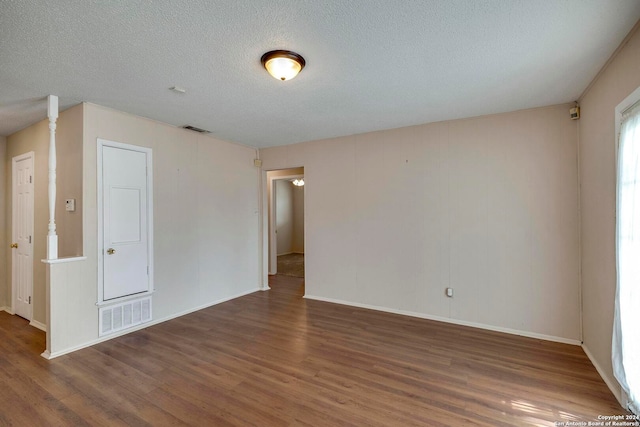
x=610 y=381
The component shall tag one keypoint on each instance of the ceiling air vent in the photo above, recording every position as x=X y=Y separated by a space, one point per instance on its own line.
x=195 y=129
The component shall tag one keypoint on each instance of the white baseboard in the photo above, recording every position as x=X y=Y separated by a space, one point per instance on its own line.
x=7 y=309
x=612 y=383
x=53 y=355
x=38 y=325
x=449 y=320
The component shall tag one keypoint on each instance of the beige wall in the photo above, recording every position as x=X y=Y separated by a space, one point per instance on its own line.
x=69 y=185
x=206 y=222
x=289 y=217
x=297 y=240
x=488 y=206
x=598 y=195
x=284 y=216
x=4 y=242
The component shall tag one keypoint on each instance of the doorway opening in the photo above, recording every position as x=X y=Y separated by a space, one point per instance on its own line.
x=285 y=195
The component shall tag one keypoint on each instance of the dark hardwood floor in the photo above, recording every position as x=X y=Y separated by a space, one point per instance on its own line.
x=275 y=359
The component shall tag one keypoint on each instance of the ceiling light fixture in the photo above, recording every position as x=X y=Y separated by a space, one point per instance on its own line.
x=298 y=182
x=283 y=64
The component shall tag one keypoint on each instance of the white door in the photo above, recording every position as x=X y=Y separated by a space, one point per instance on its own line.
x=125 y=204
x=22 y=234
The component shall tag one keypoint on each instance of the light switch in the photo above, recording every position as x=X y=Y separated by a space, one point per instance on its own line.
x=70 y=205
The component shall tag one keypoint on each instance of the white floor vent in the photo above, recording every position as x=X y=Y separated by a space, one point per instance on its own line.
x=125 y=315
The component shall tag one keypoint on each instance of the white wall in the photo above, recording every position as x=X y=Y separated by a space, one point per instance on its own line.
x=206 y=222
x=4 y=242
x=598 y=196
x=284 y=216
x=488 y=206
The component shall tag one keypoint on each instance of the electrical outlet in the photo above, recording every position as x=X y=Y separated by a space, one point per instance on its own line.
x=450 y=292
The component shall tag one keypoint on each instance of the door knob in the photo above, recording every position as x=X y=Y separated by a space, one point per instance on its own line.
x=14 y=246
x=111 y=251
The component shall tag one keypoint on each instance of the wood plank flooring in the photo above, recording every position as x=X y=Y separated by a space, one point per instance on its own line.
x=275 y=359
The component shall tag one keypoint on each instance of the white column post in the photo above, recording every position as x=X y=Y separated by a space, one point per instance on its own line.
x=52 y=237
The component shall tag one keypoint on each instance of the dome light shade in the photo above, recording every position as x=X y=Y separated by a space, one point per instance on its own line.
x=283 y=64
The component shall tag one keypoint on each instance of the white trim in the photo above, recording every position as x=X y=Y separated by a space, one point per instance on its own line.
x=149 y=153
x=38 y=325
x=7 y=309
x=611 y=383
x=449 y=320
x=124 y=299
x=261 y=223
x=633 y=98
x=14 y=160
x=49 y=355
x=264 y=232
x=52 y=236
x=63 y=260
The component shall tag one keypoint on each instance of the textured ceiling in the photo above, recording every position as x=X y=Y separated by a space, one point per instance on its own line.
x=371 y=64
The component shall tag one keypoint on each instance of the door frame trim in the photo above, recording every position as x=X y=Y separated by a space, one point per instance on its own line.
x=149 y=153
x=14 y=160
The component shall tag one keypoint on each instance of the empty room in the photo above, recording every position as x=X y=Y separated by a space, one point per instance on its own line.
x=320 y=213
